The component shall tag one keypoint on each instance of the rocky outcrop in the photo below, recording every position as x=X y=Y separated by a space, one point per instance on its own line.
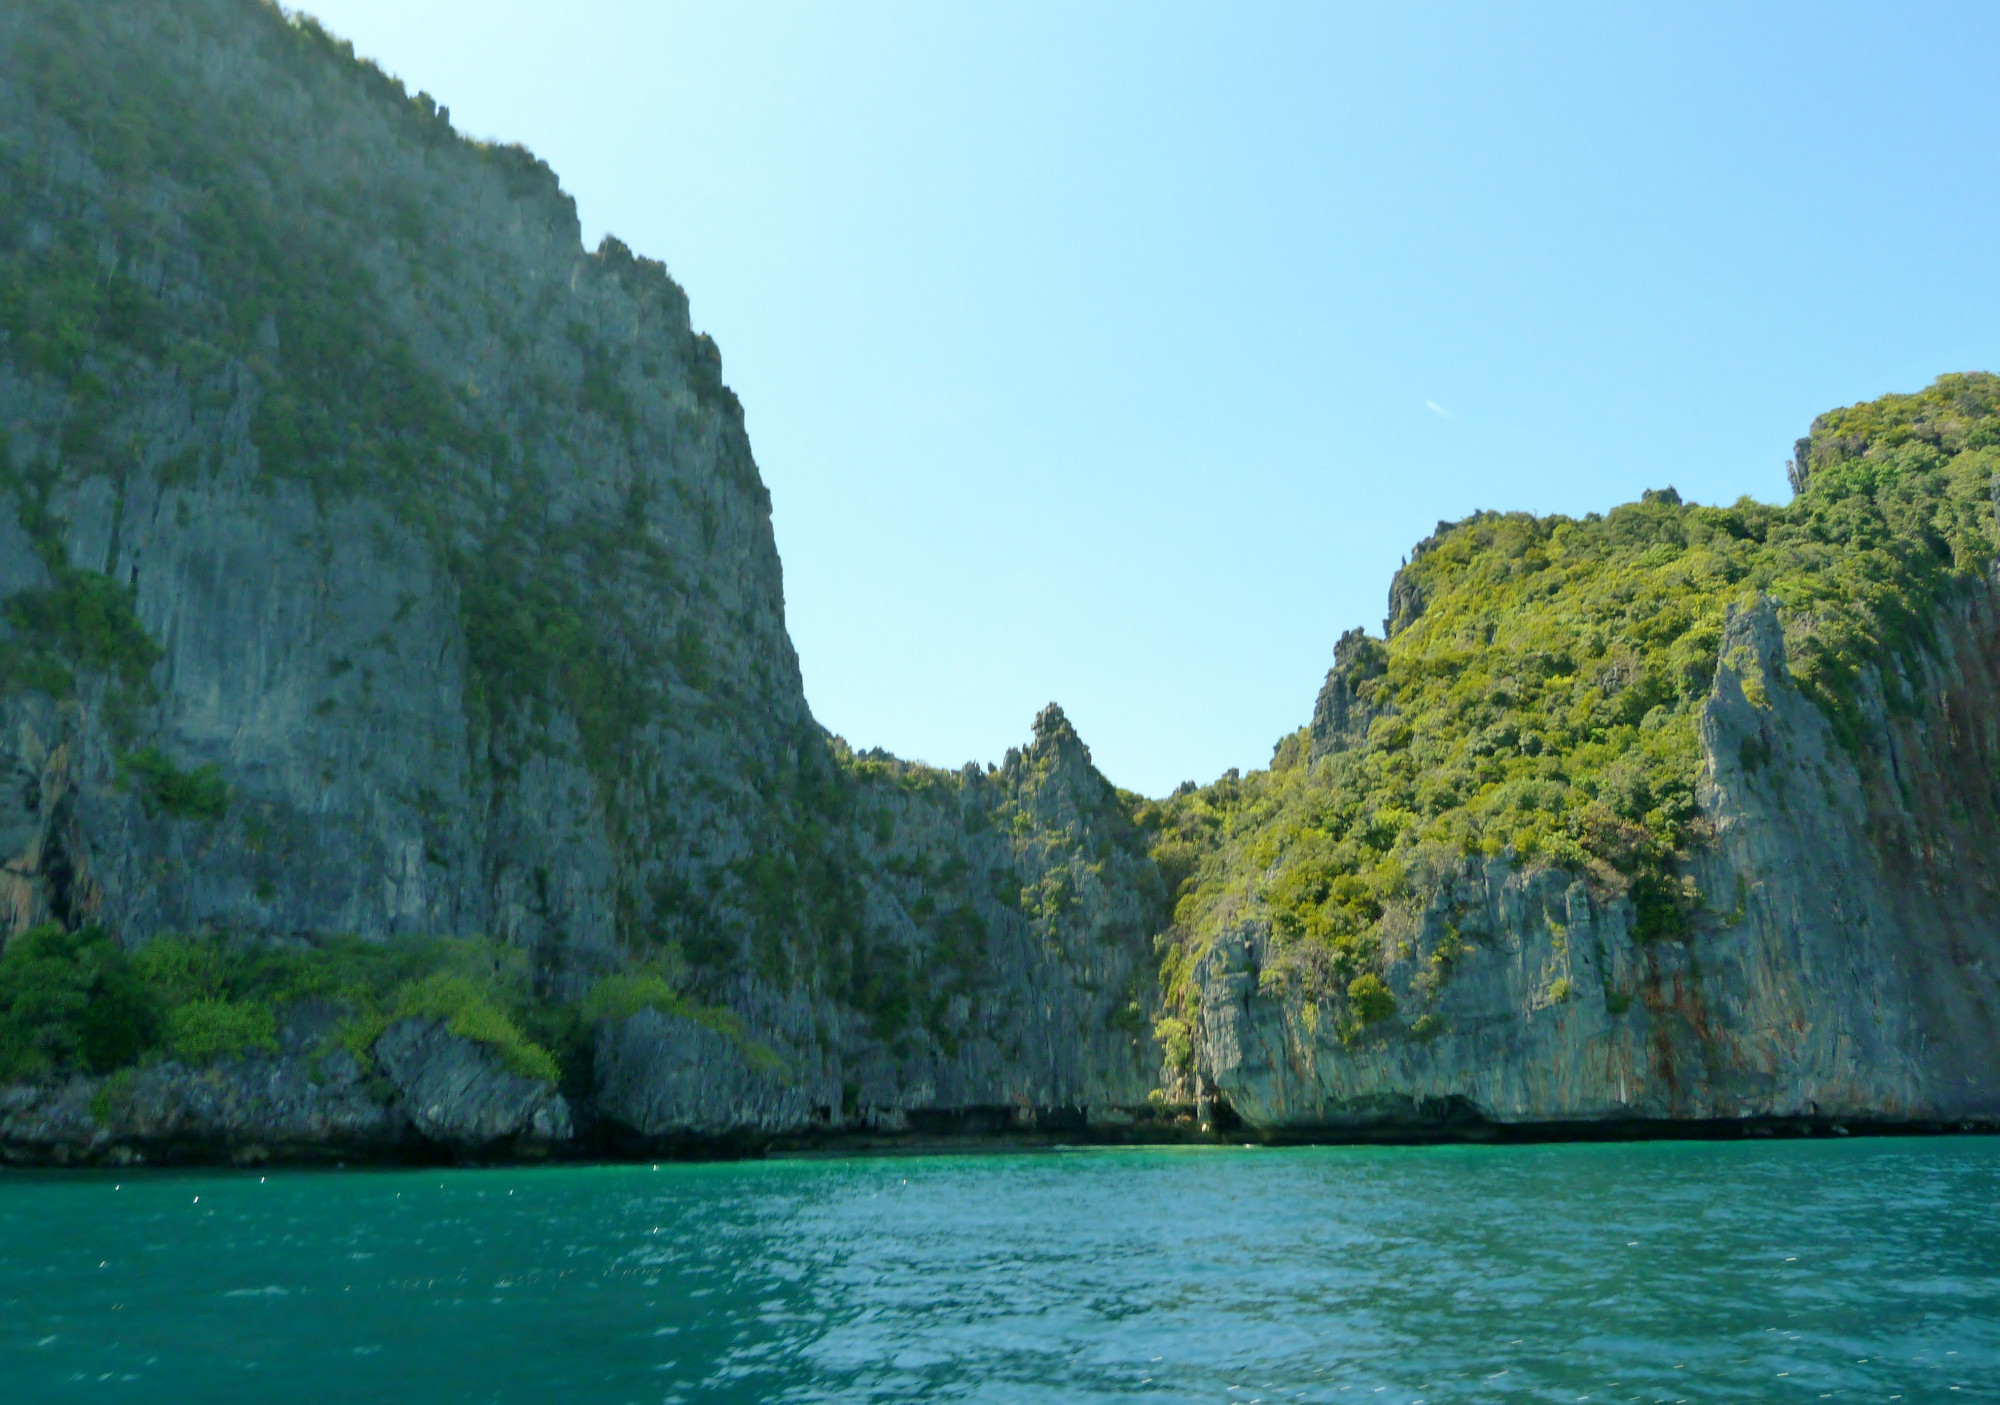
x=425 y=1094
x=994 y=952
x=1346 y=705
x=248 y=1110
x=662 y=1077
x=1843 y=964
x=457 y=1092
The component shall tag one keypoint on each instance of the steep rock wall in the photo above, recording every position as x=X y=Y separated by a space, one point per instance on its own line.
x=375 y=560
x=1843 y=963
x=990 y=949
x=360 y=624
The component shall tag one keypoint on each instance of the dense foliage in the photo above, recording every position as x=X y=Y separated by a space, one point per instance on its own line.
x=75 y=1002
x=1539 y=698
x=71 y=1001
x=199 y=1000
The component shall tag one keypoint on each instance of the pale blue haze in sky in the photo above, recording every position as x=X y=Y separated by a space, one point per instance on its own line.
x=1117 y=353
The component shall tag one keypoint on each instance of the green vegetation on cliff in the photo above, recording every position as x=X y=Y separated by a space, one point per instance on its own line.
x=71 y=1002
x=216 y=256
x=258 y=303
x=75 y=1002
x=1042 y=839
x=1538 y=694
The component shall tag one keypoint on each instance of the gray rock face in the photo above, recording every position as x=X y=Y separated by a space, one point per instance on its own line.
x=994 y=952
x=438 y=1094
x=458 y=1092
x=1846 y=964
x=1346 y=705
x=1026 y=902
x=461 y=594
x=666 y=1076
x=249 y=1110
x=507 y=679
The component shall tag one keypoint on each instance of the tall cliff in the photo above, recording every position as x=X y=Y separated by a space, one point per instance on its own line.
x=405 y=755
x=1682 y=814
x=377 y=563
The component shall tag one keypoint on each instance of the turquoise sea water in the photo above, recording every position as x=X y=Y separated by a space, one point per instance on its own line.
x=1794 y=1271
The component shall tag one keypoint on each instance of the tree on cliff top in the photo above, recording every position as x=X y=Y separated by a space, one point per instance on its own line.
x=1539 y=692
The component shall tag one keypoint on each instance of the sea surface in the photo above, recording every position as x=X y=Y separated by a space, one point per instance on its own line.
x=1668 y=1271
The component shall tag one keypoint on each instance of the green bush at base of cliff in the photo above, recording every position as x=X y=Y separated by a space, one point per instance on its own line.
x=468 y=1009
x=622 y=995
x=205 y=1031
x=70 y=1001
x=77 y=1003
x=1537 y=699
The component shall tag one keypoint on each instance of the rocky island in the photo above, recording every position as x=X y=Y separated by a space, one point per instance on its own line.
x=405 y=756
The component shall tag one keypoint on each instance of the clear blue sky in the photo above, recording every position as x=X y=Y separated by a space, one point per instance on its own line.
x=1117 y=353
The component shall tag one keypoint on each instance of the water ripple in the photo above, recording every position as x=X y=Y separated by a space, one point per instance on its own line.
x=1854 y=1270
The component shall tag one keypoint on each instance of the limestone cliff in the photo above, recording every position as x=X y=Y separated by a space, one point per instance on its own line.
x=1840 y=964
x=404 y=754
x=376 y=561
x=996 y=961
x=1855 y=977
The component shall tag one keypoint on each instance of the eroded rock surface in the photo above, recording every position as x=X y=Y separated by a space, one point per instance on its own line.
x=1845 y=965
x=459 y=1092
x=375 y=560
x=442 y=599
x=668 y=1076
